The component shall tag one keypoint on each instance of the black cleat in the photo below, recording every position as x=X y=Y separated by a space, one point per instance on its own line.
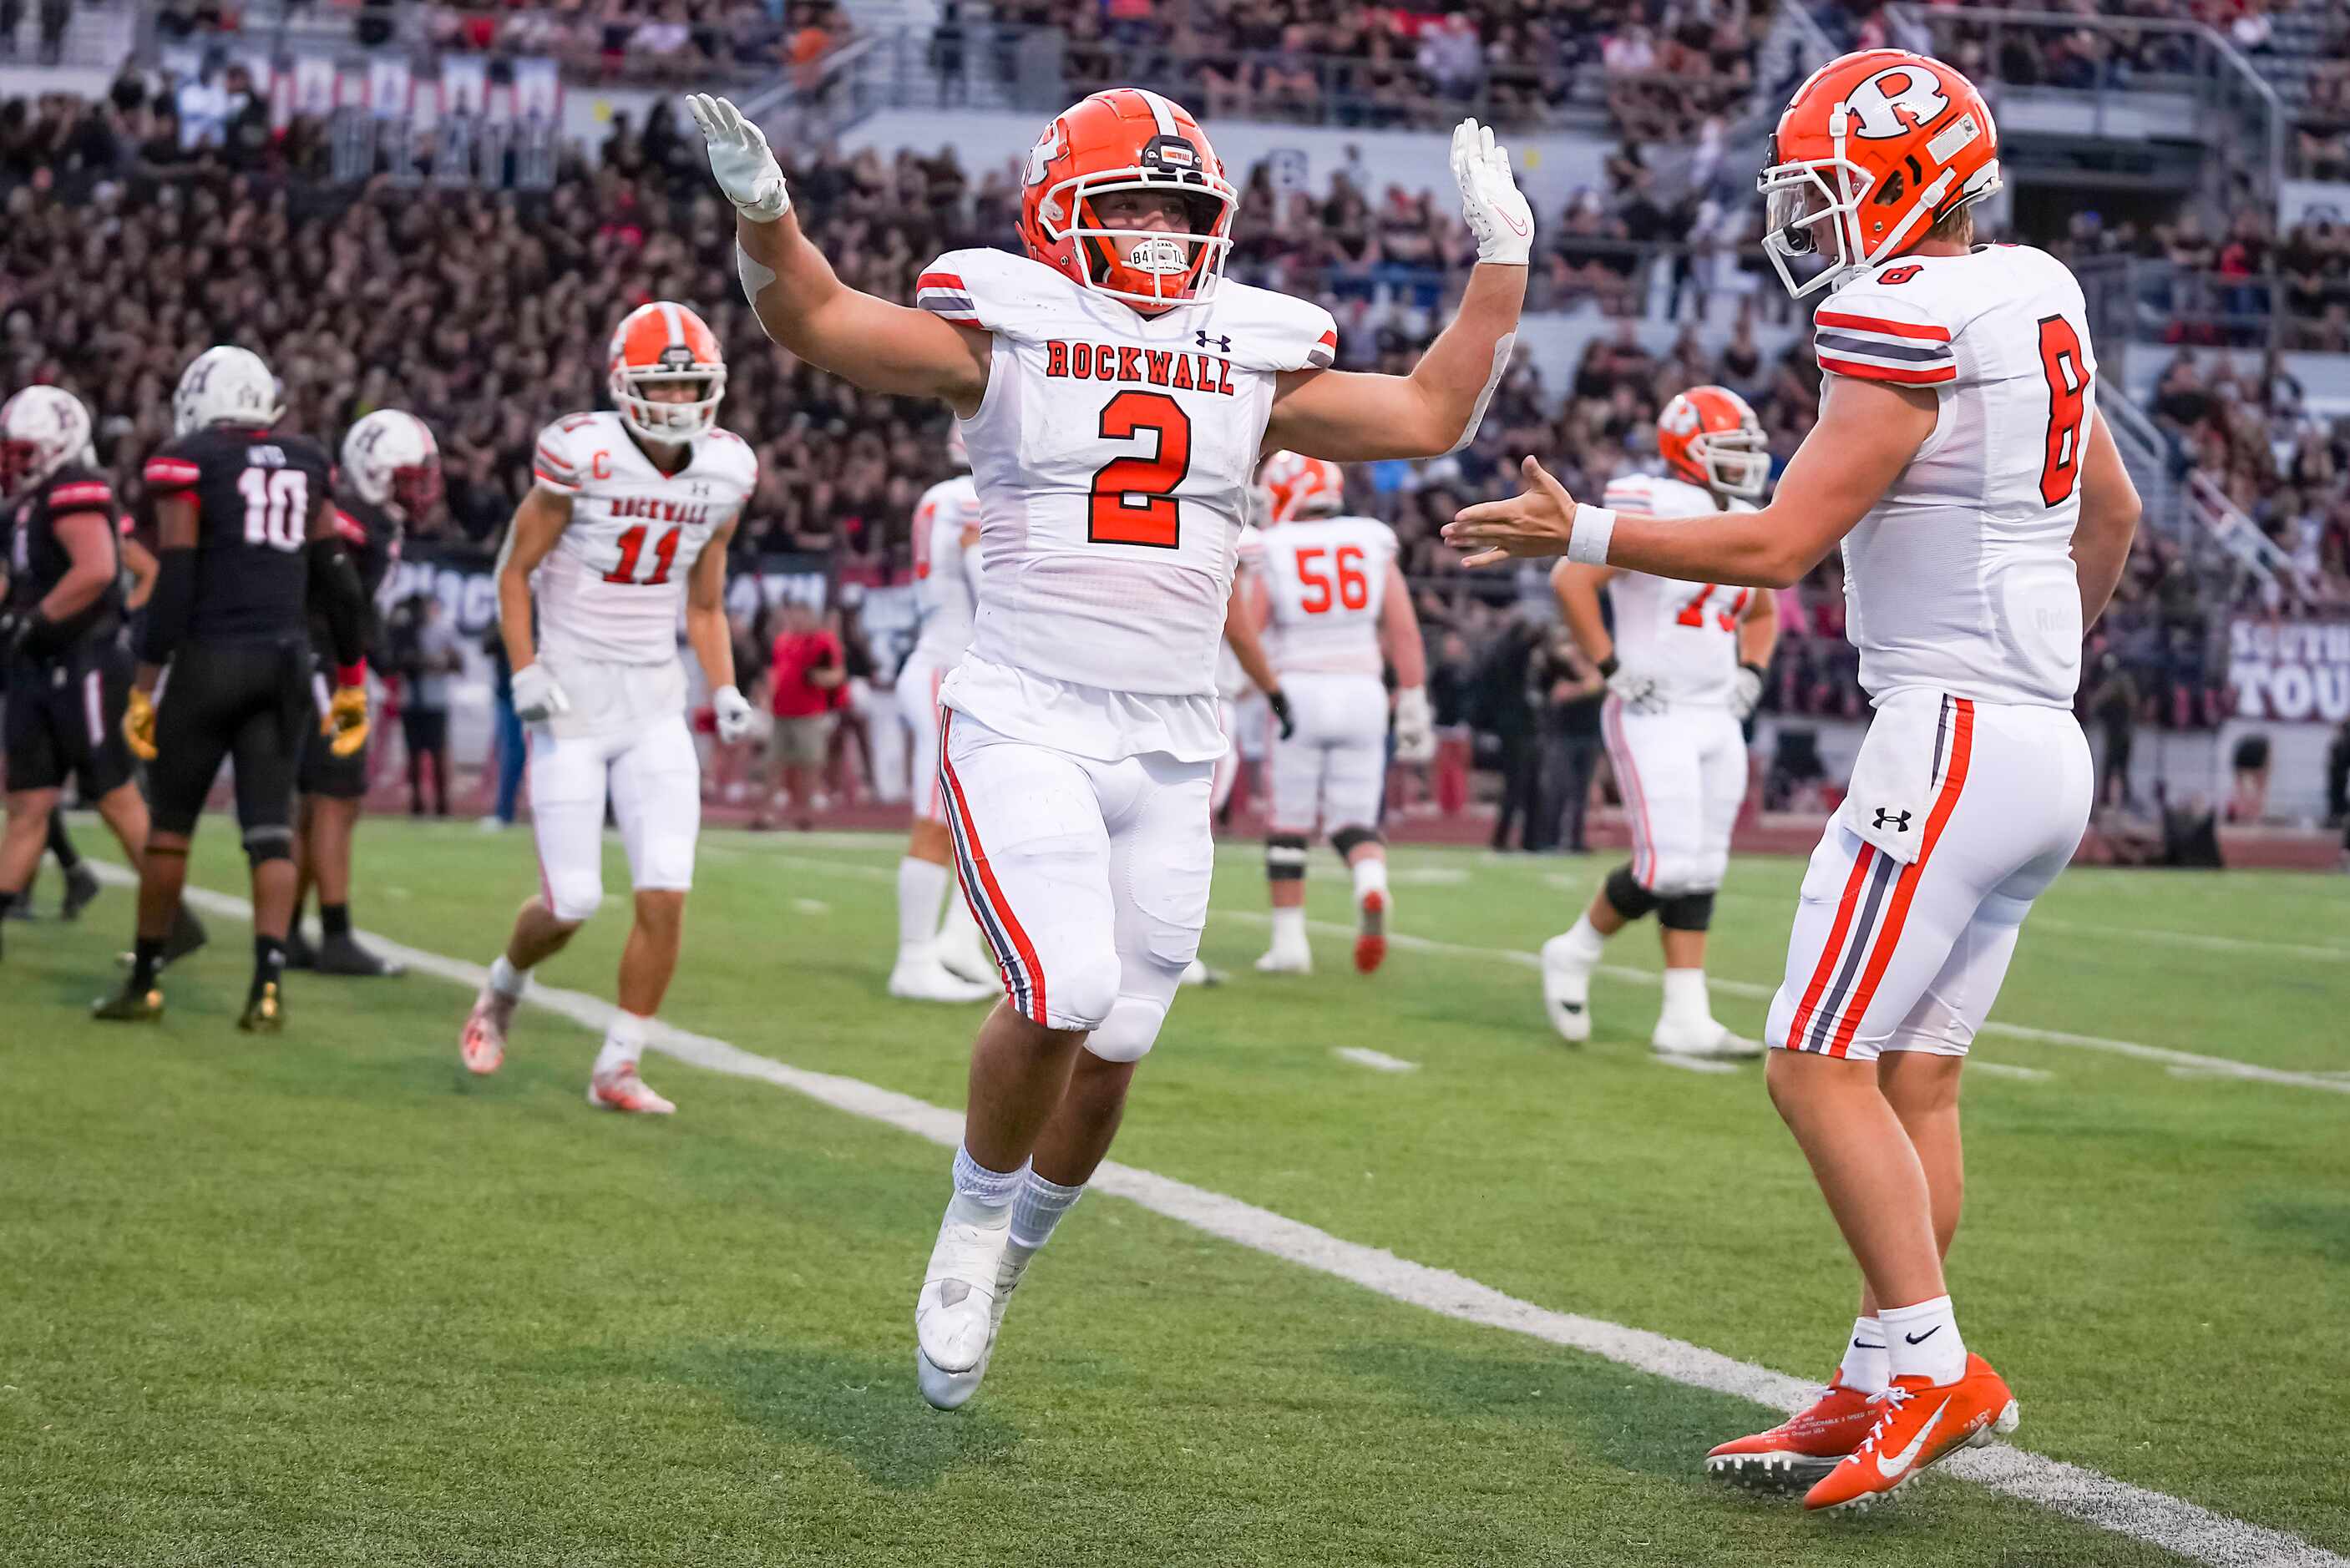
x=133 y=1006
x=299 y=953
x=343 y=955
x=81 y=886
x=264 y=1012
x=188 y=934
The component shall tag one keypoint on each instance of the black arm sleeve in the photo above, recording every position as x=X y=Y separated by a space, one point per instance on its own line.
x=171 y=606
x=335 y=592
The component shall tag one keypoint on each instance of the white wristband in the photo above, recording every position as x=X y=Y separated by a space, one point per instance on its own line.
x=1587 y=538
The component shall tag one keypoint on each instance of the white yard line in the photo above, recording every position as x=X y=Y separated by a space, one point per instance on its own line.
x=2009 y=1070
x=1377 y=1061
x=2079 y=1494
x=2203 y=940
x=1692 y=1064
x=2214 y=1066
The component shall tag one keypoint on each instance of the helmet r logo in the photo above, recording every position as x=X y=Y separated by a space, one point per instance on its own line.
x=1878 y=102
x=1049 y=146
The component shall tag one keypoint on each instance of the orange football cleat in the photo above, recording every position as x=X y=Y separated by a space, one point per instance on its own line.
x=1800 y=1449
x=1371 y=939
x=1919 y=1424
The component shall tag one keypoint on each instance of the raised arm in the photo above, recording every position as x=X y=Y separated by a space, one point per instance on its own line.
x=1356 y=417
x=803 y=305
x=1868 y=432
x=2108 y=523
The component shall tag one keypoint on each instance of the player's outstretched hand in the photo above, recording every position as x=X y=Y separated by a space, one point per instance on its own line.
x=139 y=725
x=537 y=697
x=739 y=156
x=732 y=712
x=347 y=720
x=1491 y=202
x=1537 y=521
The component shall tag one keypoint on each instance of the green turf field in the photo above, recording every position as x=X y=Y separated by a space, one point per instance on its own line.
x=326 y=1299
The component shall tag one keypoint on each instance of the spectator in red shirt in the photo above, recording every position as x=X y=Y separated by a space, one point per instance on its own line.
x=802 y=680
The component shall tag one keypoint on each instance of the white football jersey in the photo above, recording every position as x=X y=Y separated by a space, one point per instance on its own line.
x=946 y=576
x=614 y=586
x=1960 y=580
x=1327 y=578
x=1113 y=453
x=1684 y=636
x=1232 y=682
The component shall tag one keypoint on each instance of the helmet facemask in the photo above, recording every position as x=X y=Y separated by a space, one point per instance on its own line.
x=659 y=421
x=1736 y=462
x=416 y=488
x=1153 y=270
x=1802 y=195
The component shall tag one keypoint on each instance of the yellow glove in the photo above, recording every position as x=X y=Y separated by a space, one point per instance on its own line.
x=139 y=725
x=347 y=720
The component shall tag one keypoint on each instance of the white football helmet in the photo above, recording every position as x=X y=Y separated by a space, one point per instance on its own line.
x=225 y=385
x=391 y=457
x=42 y=429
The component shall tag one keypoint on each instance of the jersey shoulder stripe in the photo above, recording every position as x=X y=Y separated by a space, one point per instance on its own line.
x=171 y=472
x=81 y=494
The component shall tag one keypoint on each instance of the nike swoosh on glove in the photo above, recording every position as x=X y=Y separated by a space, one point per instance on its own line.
x=1491 y=202
x=744 y=164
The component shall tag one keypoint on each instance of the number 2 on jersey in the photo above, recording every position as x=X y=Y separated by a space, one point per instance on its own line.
x=1115 y=518
x=632 y=545
x=2068 y=389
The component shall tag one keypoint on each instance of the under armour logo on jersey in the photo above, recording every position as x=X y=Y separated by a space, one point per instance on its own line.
x=1224 y=345
x=1898 y=820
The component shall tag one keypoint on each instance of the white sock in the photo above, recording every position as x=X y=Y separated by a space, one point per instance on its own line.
x=506 y=980
x=1585 y=936
x=1370 y=877
x=1863 y=1369
x=1922 y=1341
x=1685 y=994
x=1289 y=929
x=921 y=883
x=1039 y=1208
x=981 y=1196
x=624 y=1042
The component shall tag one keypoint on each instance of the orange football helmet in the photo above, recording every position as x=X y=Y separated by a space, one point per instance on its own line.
x=1709 y=437
x=666 y=342
x=1876 y=147
x=1128 y=139
x=1303 y=486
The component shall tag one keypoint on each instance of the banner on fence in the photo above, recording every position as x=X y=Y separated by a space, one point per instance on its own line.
x=2289 y=671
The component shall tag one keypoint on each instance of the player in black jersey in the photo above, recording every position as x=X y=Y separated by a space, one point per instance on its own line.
x=245 y=534
x=390 y=477
x=67 y=675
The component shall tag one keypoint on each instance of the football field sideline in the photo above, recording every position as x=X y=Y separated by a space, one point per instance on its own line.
x=2084 y=1495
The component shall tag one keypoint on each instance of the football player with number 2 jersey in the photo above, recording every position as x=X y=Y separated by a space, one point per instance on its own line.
x=1116 y=391
x=1985 y=517
x=1335 y=611
x=1684 y=668
x=628 y=522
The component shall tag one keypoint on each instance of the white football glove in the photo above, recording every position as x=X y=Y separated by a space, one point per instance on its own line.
x=1415 y=727
x=1490 y=201
x=1638 y=694
x=739 y=156
x=1745 y=691
x=733 y=712
x=536 y=696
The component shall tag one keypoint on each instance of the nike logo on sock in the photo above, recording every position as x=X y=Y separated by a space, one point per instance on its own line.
x=1863 y=1344
x=1922 y=1338
x=1572 y=1006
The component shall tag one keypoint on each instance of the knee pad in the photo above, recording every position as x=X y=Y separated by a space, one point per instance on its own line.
x=1687 y=911
x=1079 y=992
x=1631 y=900
x=1130 y=1031
x=1346 y=840
x=268 y=843
x=1675 y=874
x=1284 y=856
x=574 y=894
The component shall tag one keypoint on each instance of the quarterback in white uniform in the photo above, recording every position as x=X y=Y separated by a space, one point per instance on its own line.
x=1116 y=392
x=1985 y=517
x=629 y=518
x=1684 y=668
x=1334 y=609
x=937 y=960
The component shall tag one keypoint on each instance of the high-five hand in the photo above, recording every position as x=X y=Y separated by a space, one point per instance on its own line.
x=1491 y=202
x=739 y=156
x=1537 y=521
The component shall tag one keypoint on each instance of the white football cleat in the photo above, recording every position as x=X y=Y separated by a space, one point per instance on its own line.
x=1279 y=959
x=962 y=951
x=1701 y=1037
x=956 y=1315
x=482 y=1045
x=920 y=977
x=619 y=1089
x=1567 y=987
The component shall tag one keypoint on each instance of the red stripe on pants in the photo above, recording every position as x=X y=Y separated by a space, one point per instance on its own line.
x=997 y=903
x=1812 y=993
